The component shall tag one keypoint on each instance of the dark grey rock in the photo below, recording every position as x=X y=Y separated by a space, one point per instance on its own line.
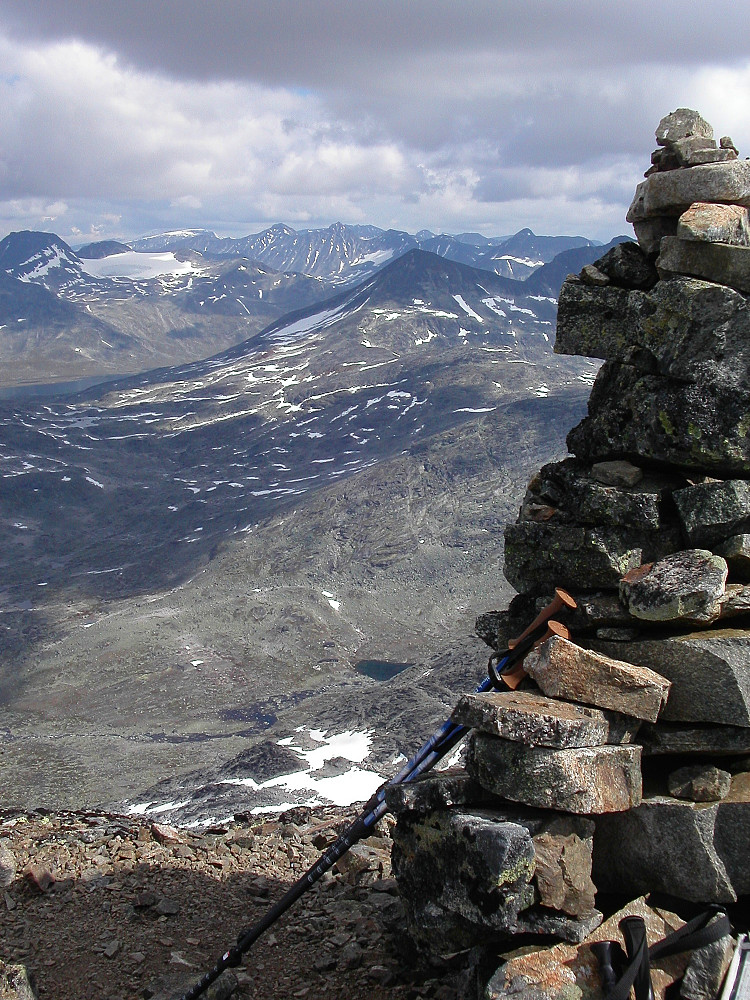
x=685 y=586
x=681 y=738
x=584 y=780
x=693 y=330
x=616 y=473
x=439 y=790
x=712 y=512
x=577 y=557
x=708 y=671
x=695 y=851
x=716 y=262
x=699 y=783
x=736 y=551
x=682 y=124
x=701 y=428
x=627 y=266
x=707 y=968
x=531 y=718
x=650 y=232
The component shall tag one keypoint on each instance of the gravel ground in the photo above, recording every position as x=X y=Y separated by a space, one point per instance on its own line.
x=102 y=906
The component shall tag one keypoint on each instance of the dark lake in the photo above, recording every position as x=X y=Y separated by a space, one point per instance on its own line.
x=44 y=391
x=380 y=670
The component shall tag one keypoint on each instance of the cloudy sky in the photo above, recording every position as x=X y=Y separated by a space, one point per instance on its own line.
x=119 y=119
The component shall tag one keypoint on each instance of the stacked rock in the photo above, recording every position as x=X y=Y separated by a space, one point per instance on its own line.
x=647 y=524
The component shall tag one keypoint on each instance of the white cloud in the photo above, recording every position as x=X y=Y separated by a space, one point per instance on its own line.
x=484 y=116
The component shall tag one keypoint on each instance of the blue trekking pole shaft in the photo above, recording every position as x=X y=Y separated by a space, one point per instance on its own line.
x=441 y=741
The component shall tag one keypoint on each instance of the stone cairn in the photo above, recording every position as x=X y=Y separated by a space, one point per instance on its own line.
x=624 y=770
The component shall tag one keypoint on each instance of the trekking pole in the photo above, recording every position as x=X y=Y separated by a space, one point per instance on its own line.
x=440 y=743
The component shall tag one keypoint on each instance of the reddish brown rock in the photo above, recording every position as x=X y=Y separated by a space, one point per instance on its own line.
x=564 y=670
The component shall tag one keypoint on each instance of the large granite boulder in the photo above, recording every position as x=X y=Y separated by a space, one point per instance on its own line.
x=719 y=262
x=531 y=718
x=694 y=851
x=708 y=670
x=672 y=192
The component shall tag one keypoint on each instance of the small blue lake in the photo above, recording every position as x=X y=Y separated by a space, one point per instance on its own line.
x=380 y=670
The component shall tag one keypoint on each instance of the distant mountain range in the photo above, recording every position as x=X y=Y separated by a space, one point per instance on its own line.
x=349 y=253
x=111 y=309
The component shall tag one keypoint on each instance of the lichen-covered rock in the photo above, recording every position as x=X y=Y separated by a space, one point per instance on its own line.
x=708 y=673
x=699 y=783
x=15 y=983
x=687 y=328
x=578 y=557
x=563 y=669
x=694 y=851
x=715 y=224
x=686 y=586
x=464 y=876
x=712 y=512
x=701 y=428
x=717 y=262
x=584 y=780
x=530 y=718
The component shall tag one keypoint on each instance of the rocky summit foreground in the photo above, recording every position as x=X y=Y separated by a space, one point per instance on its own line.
x=618 y=782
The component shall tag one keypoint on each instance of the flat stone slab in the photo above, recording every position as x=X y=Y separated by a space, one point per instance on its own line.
x=683 y=738
x=713 y=512
x=708 y=672
x=585 y=780
x=691 y=427
x=695 y=851
x=686 y=586
x=717 y=262
x=715 y=224
x=563 y=669
x=672 y=192
x=530 y=718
